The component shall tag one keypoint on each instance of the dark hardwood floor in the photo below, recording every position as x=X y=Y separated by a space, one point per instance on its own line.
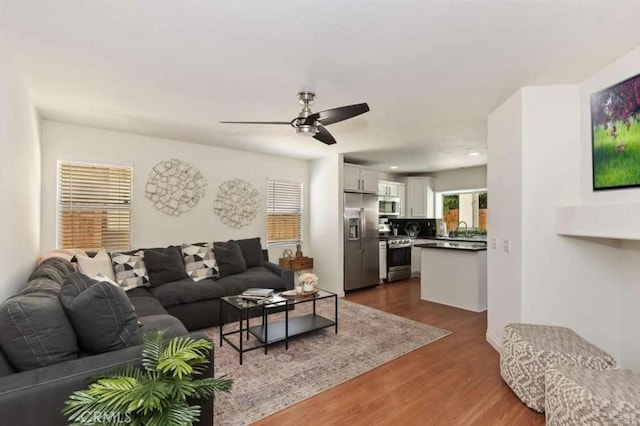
x=453 y=381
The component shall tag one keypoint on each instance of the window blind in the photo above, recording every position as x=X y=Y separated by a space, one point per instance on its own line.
x=284 y=212
x=94 y=206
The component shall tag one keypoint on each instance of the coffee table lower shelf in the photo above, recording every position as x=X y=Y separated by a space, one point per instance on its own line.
x=298 y=325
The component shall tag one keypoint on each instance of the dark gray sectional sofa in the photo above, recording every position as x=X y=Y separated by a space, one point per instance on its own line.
x=35 y=396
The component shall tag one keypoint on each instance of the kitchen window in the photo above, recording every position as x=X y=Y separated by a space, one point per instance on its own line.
x=465 y=206
x=284 y=212
x=94 y=206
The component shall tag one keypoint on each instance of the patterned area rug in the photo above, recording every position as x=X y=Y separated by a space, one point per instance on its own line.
x=265 y=384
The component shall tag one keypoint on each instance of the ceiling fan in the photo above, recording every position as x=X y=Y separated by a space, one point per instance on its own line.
x=308 y=123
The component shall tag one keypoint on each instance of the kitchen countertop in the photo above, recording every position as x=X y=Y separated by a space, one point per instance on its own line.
x=454 y=245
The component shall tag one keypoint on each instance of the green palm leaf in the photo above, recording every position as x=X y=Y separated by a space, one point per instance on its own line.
x=207 y=387
x=182 y=354
x=156 y=395
x=176 y=414
x=154 y=343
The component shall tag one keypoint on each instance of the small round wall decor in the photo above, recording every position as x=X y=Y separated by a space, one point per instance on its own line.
x=237 y=203
x=175 y=187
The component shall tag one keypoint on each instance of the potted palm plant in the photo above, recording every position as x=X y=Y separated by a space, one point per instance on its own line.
x=156 y=394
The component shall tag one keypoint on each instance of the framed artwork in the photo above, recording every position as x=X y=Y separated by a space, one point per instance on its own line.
x=615 y=135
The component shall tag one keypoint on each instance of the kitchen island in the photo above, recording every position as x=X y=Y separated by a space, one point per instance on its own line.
x=454 y=273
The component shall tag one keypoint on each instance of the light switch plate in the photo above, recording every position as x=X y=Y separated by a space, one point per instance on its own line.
x=494 y=243
x=506 y=246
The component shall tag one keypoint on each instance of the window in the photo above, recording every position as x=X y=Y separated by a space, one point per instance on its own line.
x=94 y=206
x=284 y=212
x=467 y=206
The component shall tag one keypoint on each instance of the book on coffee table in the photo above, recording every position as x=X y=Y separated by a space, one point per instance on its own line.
x=258 y=292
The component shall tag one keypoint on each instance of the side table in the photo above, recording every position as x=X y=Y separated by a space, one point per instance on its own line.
x=297 y=264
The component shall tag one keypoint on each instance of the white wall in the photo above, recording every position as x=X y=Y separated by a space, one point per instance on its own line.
x=589 y=285
x=564 y=281
x=19 y=179
x=150 y=226
x=326 y=224
x=504 y=183
x=461 y=179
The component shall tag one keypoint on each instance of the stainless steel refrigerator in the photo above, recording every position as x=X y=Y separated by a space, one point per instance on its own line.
x=361 y=249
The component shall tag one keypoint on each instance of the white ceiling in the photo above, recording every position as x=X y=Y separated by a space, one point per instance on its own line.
x=431 y=71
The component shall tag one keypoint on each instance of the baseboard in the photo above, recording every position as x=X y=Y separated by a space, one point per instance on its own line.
x=494 y=341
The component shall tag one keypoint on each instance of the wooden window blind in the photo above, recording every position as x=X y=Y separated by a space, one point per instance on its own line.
x=94 y=206
x=284 y=212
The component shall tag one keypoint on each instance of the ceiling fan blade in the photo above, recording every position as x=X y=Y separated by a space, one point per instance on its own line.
x=256 y=122
x=324 y=136
x=335 y=115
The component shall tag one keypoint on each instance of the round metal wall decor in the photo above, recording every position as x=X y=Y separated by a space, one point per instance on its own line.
x=175 y=187
x=237 y=203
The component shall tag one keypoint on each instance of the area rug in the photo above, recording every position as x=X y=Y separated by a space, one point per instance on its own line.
x=265 y=384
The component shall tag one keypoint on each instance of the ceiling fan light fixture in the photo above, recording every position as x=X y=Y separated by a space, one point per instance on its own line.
x=306 y=130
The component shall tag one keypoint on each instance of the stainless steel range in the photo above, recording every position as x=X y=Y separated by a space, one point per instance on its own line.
x=398 y=258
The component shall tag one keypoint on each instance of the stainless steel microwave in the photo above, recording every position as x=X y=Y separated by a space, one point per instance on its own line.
x=388 y=206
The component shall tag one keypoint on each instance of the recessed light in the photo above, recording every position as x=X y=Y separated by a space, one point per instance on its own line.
x=393 y=167
x=474 y=154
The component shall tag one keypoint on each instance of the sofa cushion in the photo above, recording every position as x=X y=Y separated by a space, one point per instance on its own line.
x=34 y=329
x=40 y=284
x=139 y=292
x=92 y=266
x=229 y=258
x=101 y=314
x=199 y=261
x=55 y=269
x=130 y=269
x=164 y=266
x=5 y=367
x=187 y=291
x=251 y=251
x=167 y=322
x=258 y=277
x=145 y=306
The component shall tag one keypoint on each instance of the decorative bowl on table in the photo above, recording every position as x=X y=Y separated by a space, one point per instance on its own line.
x=290 y=294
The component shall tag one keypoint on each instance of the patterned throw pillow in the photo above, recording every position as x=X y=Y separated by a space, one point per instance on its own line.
x=130 y=269
x=199 y=261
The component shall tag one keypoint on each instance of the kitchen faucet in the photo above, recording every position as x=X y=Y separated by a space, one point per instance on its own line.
x=466 y=228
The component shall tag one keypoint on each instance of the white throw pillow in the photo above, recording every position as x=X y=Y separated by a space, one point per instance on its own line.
x=99 y=264
x=102 y=277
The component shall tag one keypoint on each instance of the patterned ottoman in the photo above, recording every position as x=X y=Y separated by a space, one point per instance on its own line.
x=528 y=350
x=580 y=396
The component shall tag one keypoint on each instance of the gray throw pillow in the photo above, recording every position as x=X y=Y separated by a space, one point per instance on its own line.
x=164 y=265
x=34 y=329
x=229 y=258
x=101 y=314
x=251 y=251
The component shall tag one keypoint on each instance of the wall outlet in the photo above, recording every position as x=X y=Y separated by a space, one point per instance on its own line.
x=506 y=246
x=494 y=243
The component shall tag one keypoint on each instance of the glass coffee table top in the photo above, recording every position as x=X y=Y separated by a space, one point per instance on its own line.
x=240 y=303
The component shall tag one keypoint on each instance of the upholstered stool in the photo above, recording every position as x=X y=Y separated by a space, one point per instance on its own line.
x=528 y=350
x=581 y=396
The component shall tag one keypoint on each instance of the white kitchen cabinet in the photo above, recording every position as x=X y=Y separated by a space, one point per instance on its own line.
x=387 y=188
x=402 y=195
x=383 y=260
x=420 y=197
x=415 y=257
x=359 y=179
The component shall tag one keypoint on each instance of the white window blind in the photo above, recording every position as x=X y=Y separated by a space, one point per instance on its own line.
x=284 y=212
x=94 y=206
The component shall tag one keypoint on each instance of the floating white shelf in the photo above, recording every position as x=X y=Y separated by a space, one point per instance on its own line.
x=614 y=221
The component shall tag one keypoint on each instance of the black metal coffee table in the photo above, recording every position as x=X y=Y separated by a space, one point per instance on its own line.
x=267 y=332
